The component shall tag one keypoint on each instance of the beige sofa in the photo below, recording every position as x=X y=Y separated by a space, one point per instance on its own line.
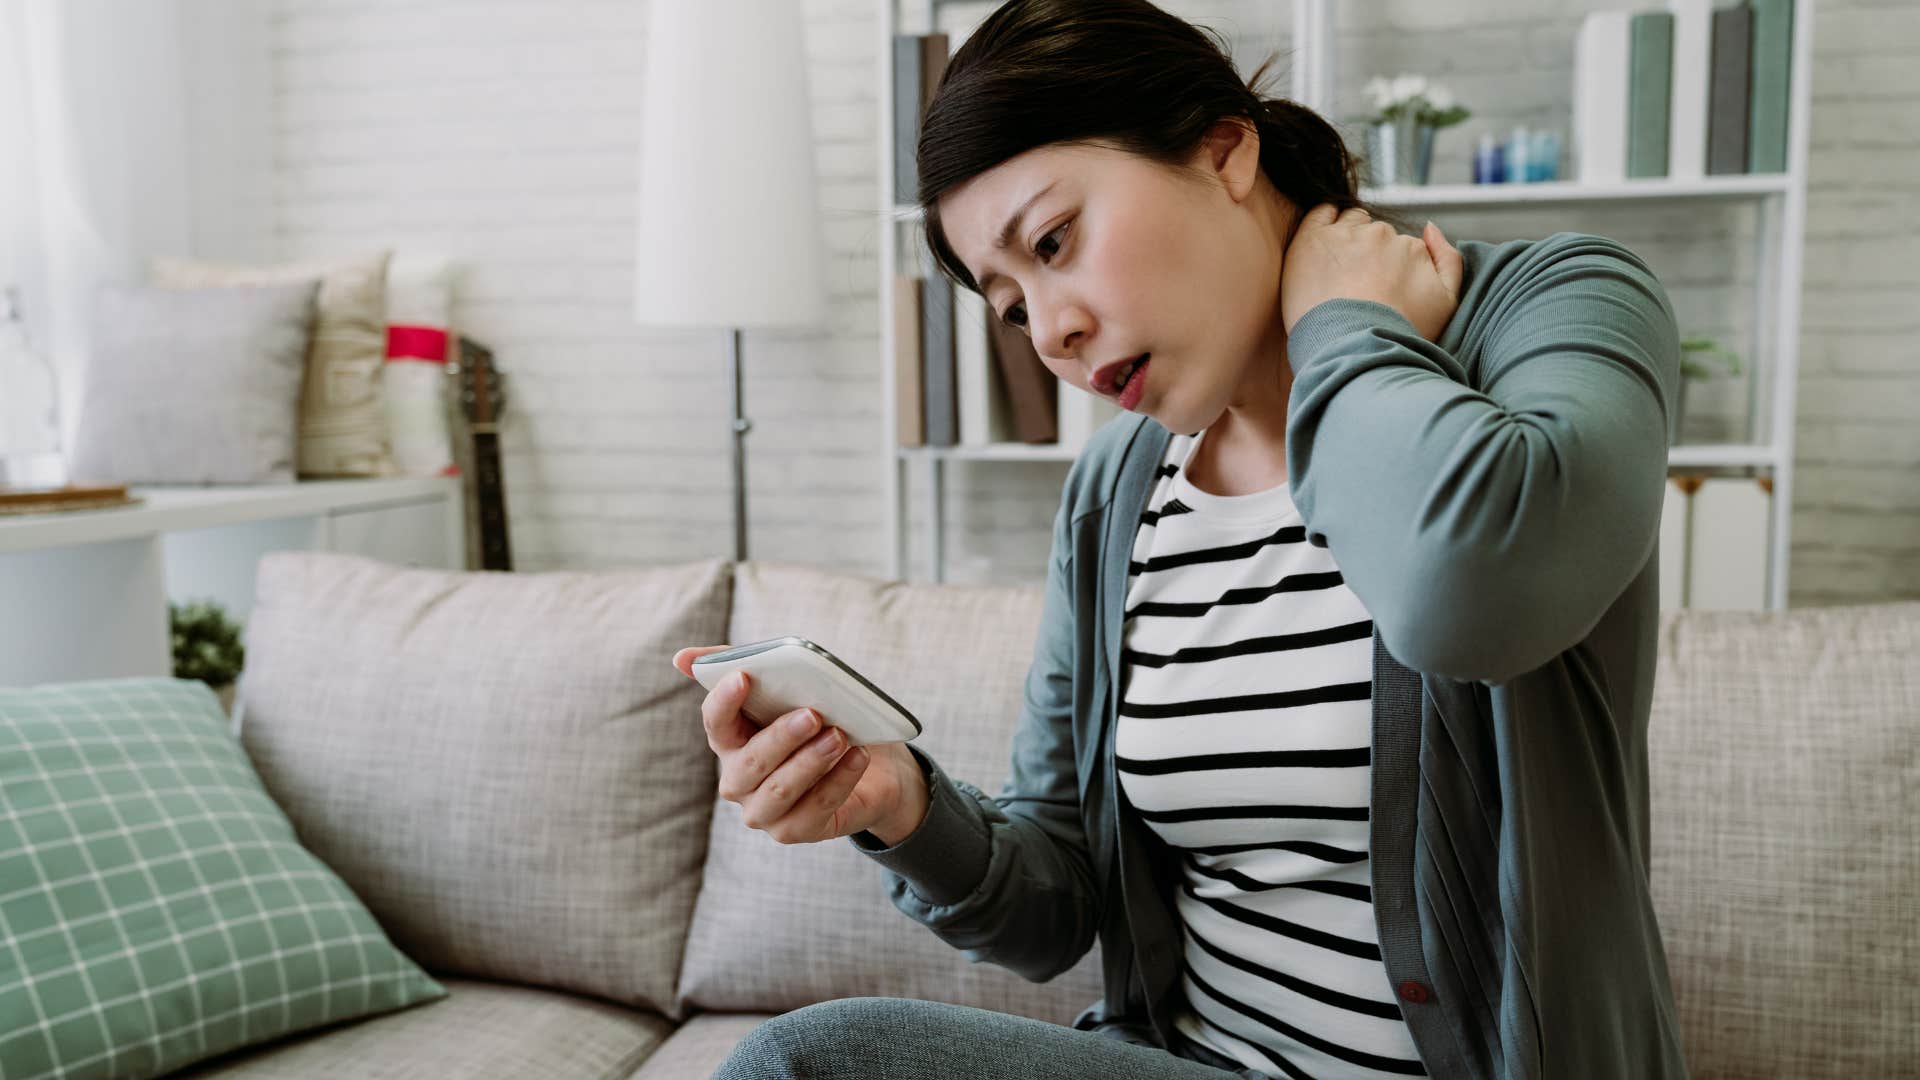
x=507 y=769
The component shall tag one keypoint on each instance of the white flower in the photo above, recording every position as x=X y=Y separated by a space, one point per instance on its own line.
x=1440 y=98
x=1378 y=92
x=1408 y=87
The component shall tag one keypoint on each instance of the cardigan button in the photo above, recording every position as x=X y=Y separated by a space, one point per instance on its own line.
x=1414 y=992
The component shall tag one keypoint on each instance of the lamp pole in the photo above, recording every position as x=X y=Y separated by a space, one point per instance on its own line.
x=741 y=425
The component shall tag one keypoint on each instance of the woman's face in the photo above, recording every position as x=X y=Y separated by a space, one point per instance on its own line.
x=1113 y=256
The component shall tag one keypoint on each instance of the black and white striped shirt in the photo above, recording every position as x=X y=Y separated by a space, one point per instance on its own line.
x=1244 y=741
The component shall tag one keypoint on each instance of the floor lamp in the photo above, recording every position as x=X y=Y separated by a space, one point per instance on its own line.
x=729 y=227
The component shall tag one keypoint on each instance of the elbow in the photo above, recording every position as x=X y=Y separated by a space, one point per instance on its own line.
x=1487 y=621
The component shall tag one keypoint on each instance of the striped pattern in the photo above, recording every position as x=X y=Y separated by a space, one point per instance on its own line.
x=1244 y=740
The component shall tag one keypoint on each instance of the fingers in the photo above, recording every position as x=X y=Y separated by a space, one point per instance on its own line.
x=821 y=810
x=795 y=776
x=727 y=730
x=790 y=777
x=1324 y=214
x=685 y=657
x=1446 y=259
x=743 y=767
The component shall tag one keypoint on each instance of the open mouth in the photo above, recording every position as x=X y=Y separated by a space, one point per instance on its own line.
x=1127 y=373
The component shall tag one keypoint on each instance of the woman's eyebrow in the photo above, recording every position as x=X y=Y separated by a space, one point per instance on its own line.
x=1011 y=230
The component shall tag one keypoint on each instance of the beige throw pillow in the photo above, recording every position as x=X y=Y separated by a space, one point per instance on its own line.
x=781 y=926
x=342 y=426
x=506 y=768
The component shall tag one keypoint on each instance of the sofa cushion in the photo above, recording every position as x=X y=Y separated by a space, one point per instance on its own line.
x=506 y=767
x=482 y=1031
x=781 y=926
x=1785 y=755
x=697 y=1047
x=155 y=906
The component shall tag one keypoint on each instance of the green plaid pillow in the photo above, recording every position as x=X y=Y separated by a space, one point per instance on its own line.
x=156 y=907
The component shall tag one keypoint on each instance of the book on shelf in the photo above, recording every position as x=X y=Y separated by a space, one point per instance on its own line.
x=1033 y=394
x=1649 y=91
x=1600 y=97
x=985 y=414
x=1687 y=120
x=938 y=365
x=40 y=500
x=1684 y=90
x=1727 y=111
x=1772 y=76
x=909 y=398
x=919 y=60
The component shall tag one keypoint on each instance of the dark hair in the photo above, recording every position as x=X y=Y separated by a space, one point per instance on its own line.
x=1119 y=73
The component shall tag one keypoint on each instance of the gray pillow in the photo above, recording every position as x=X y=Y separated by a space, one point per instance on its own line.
x=780 y=926
x=506 y=768
x=197 y=386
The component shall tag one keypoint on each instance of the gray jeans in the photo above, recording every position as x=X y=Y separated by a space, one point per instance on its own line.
x=884 y=1038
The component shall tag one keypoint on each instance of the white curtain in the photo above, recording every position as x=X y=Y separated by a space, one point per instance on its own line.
x=127 y=130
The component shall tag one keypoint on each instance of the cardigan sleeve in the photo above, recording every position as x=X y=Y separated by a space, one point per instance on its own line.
x=1008 y=879
x=1488 y=520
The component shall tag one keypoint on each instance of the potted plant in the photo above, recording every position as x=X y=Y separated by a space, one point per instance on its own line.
x=206 y=646
x=1407 y=110
x=1701 y=357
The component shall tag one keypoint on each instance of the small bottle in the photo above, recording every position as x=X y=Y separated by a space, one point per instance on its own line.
x=1489 y=161
x=1545 y=156
x=1517 y=157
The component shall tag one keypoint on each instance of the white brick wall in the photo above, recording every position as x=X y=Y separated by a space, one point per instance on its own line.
x=506 y=134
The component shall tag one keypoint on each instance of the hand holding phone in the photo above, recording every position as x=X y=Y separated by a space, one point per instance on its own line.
x=791 y=673
x=783 y=766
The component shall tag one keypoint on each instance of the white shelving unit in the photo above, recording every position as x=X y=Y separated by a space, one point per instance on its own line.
x=1778 y=202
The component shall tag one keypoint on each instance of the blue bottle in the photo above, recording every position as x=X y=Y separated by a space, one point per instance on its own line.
x=1518 y=170
x=1489 y=160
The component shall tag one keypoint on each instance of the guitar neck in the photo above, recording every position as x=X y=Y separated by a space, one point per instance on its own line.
x=491 y=498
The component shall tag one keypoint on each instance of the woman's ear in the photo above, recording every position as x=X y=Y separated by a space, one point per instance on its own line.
x=1230 y=151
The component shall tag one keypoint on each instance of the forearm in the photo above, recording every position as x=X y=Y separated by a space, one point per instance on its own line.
x=1488 y=519
x=1011 y=889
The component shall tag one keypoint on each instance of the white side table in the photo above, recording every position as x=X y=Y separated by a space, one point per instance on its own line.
x=84 y=593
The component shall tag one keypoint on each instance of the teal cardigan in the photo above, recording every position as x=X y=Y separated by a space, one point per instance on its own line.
x=1494 y=500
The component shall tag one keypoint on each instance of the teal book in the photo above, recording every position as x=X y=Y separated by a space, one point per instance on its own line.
x=906 y=116
x=1772 y=78
x=1649 y=91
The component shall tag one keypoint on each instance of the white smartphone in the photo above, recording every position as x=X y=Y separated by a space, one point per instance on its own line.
x=788 y=673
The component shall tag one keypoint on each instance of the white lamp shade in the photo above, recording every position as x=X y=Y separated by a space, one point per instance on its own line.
x=729 y=226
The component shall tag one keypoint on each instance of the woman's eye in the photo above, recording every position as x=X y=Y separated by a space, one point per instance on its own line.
x=1044 y=257
x=1056 y=247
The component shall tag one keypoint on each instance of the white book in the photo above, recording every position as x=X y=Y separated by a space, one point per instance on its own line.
x=985 y=415
x=1727 y=545
x=1600 y=97
x=1692 y=72
x=1673 y=546
x=1080 y=414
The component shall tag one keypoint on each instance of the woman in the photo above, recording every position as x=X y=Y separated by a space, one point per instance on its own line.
x=1372 y=557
